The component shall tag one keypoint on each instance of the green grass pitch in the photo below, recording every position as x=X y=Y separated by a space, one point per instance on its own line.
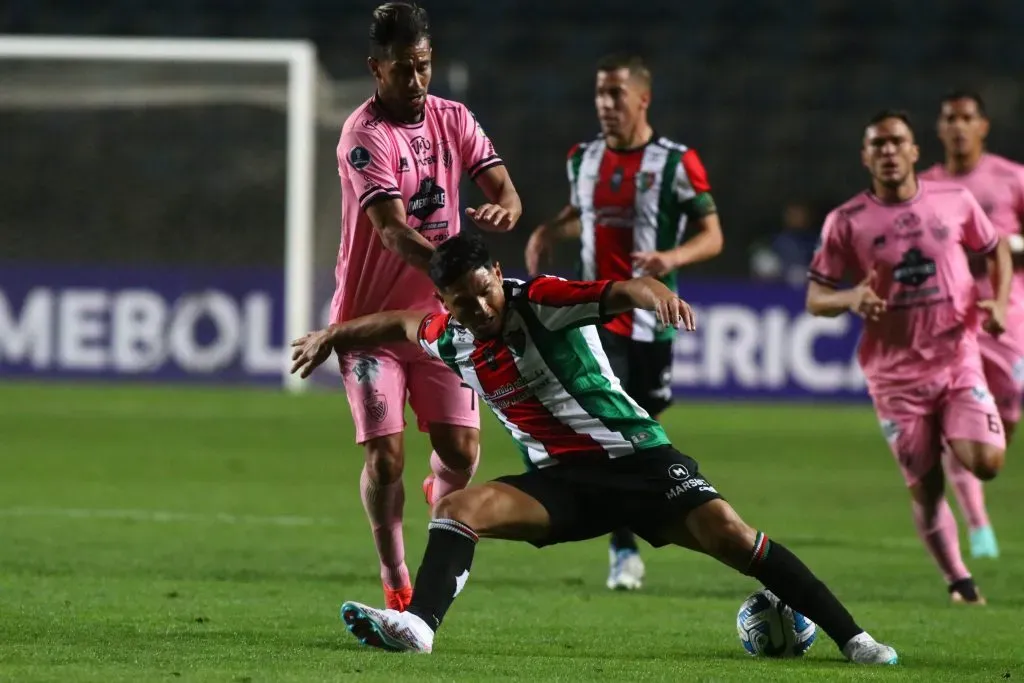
x=153 y=534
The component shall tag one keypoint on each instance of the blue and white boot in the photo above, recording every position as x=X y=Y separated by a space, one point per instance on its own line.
x=626 y=572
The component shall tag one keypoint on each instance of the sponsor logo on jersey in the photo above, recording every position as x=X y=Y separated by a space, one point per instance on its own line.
x=981 y=395
x=422 y=148
x=688 y=485
x=428 y=198
x=914 y=269
x=678 y=472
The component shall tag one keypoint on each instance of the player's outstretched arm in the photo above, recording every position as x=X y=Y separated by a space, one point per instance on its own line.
x=388 y=218
x=369 y=331
x=649 y=294
x=565 y=226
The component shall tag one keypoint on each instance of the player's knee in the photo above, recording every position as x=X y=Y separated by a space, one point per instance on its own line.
x=988 y=463
x=458 y=447
x=385 y=460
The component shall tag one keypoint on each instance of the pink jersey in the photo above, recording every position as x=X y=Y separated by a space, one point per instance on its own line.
x=917 y=252
x=421 y=165
x=998 y=185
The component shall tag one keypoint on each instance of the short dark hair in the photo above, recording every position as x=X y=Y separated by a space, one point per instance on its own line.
x=397 y=24
x=966 y=94
x=625 y=60
x=900 y=114
x=457 y=256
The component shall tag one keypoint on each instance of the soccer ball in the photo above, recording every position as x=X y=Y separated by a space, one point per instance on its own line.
x=769 y=628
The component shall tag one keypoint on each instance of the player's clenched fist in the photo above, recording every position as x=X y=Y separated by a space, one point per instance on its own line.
x=865 y=302
x=995 y=321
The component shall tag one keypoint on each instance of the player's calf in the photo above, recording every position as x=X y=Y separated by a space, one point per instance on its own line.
x=716 y=529
x=383 y=496
x=493 y=510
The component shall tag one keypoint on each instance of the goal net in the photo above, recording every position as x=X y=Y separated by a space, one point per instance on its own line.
x=169 y=208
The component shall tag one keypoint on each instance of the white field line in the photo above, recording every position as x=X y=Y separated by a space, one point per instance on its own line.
x=166 y=516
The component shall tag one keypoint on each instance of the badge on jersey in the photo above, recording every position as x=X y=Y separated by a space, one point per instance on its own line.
x=359 y=157
x=377 y=407
x=645 y=180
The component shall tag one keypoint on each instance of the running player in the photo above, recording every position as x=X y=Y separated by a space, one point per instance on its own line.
x=998 y=185
x=904 y=242
x=632 y=196
x=596 y=460
x=400 y=158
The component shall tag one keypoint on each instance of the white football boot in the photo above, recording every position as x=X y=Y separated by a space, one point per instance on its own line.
x=626 y=570
x=387 y=629
x=863 y=649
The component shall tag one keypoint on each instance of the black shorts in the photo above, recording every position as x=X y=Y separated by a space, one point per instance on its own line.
x=644 y=368
x=647 y=492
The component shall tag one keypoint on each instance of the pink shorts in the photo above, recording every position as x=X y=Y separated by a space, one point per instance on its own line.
x=956 y=404
x=1003 y=362
x=378 y=383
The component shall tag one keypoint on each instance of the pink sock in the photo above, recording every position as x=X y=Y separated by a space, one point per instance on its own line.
x=940 y=538
x=383 y=506
x=968 y=490
x=447 y=480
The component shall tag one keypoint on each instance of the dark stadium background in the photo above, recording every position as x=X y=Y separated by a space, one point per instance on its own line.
x=772 y=94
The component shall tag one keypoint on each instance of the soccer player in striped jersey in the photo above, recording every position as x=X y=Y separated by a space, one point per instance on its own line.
x=595 y=459
x=632 y=196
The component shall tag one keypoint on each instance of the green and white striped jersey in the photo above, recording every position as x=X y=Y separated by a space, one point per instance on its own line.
x=546 y=376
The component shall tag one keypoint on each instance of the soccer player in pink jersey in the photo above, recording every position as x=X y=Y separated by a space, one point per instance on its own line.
x=904 y=241
x=400 y=158
x=595 y=459
x=998 y=185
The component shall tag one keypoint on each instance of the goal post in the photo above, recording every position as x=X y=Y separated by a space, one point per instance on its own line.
x=299 y=57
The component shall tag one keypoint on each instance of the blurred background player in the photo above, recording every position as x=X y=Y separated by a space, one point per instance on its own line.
x=400 y=158
x=903 y=241
x=998 y=185
x=785 y=255
x=632 y=195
